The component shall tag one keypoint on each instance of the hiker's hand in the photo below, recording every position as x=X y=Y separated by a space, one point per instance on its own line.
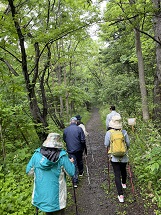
x=71 y=160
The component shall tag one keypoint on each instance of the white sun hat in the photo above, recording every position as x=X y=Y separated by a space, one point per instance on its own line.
x=52 y=141
x=116 y=122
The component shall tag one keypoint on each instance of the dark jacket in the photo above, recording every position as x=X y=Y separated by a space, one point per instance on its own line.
x=74 y=138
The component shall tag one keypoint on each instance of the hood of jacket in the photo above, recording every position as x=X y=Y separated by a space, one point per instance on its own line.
x=49 y=157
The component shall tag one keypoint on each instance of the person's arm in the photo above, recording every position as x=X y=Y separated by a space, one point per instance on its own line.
x=30 y=166
x=84 y=129
x=127 y=140
x=107 y=139
x=107 y=121
x=68 y=165
x=83 y=140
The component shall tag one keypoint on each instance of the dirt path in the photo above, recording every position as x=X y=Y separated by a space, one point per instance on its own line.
x=92 y=194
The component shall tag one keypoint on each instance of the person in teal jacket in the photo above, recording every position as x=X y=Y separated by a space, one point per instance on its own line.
x=50 y=164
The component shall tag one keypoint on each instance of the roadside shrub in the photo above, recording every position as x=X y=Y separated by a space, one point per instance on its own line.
x=144 y=154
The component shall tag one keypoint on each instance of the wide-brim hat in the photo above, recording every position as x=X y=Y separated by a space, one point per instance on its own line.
x=116 y=122
x=78 y=117
x=52 y=141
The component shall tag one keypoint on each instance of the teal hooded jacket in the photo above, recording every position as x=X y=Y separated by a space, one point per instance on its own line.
x=50 y=190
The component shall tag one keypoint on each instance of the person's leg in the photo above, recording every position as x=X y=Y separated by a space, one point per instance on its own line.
x=123 y=172
x=79 y=156
x=61 y=212
x=117 y=173
x=75 y=177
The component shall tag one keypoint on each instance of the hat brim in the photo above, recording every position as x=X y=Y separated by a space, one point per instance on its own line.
x=57 y=145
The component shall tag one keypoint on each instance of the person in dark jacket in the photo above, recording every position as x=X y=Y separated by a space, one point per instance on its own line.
x=75 y=141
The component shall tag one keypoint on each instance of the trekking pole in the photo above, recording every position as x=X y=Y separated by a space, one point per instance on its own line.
x=87 y=171
x=75 y=199
x=90 y=147
x=108 y=174
x=108 y=162
x=37 y=211
x=131 y=181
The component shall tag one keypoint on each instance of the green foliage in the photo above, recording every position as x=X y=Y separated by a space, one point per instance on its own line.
x=15 y=196
x=145 y=153
x=123 y=94
x=71 y=70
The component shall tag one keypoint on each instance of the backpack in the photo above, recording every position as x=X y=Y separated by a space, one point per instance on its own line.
x=118 y=146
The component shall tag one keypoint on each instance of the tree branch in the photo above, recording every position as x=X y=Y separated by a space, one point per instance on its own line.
x=9 y=67
x=141 y=31
x=10 y=54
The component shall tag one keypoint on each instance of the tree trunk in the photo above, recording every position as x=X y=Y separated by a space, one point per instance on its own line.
x=38 y=117
x=157 y=81
x=143 y=90
x=144 y=97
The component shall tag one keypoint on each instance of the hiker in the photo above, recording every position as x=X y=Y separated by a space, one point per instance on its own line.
x=80 y=124
x=50 y=164
x=75 y=141
x=118 y=162
x=110 y=115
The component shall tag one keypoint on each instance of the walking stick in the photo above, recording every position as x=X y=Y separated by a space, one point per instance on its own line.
x=108 y=162
x=87 y=170
x=90 y=147
x=75 y=199
x=37 y=211
x=108 y=174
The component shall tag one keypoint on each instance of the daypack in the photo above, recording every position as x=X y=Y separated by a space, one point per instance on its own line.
x=117 y=143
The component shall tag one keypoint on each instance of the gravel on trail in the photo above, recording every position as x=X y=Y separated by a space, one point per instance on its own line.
x=93 y=196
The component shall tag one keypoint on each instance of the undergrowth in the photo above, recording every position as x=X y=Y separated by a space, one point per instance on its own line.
x=16 y=186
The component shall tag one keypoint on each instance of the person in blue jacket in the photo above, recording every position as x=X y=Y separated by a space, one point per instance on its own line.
x=74 y=138
x=50 y=164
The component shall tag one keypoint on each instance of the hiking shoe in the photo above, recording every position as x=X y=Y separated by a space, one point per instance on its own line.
x=121 y=198
x=75 y=185
x=81 y=175
x=124 y=186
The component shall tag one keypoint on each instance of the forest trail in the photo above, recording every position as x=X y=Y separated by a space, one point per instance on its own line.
x=92 y=194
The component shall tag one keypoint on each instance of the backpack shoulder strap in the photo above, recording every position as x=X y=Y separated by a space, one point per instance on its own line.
x=112 y=130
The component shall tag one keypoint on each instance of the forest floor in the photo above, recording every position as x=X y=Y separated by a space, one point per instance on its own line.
x=93 y=196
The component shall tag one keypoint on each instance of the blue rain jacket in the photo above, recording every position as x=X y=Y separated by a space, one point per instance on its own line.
x=50 y=191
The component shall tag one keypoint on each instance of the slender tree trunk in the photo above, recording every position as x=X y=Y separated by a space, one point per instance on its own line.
x=143 y=90
x=38 y=117
x=66 y=93
x=157 y=81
